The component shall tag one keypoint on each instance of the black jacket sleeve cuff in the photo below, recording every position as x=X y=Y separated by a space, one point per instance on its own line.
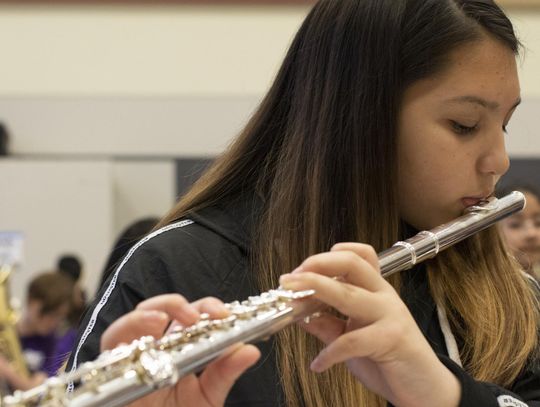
x=480 y=394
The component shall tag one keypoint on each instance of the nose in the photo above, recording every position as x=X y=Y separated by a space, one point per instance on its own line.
x=494 y=159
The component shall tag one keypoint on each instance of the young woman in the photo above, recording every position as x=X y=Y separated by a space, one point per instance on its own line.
x=522 y=232
x=386 y=117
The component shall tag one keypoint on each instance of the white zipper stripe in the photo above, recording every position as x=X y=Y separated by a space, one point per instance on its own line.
x=103 y=301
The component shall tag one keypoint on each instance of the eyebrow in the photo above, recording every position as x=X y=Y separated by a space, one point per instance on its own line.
x=479 y=101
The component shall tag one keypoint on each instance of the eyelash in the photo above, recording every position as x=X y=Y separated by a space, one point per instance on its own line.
x=463 y=130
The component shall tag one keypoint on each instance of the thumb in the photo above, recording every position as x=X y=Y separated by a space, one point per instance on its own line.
x=218 y=378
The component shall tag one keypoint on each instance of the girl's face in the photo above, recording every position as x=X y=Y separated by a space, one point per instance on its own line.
x=45 y=324
x=451 y=141
x=522 y=232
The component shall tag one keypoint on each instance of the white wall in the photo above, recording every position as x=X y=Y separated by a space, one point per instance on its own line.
x=61 y=206
x=141 y=189
x=165 y=50
x=528 y=29
x=124 y=126
x=145 y=50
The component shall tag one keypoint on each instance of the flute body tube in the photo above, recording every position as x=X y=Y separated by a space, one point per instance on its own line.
x=131 y=371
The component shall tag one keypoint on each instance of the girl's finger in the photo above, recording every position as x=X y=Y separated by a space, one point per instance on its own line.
x=365 y=251
x=134 y=325
x=355 y=302
x=174 y=305
x=178 y=308
x=219 y=376
x=346 y=265
x=360 y=343
x=209 y=305
x=151 y=317
x=326 y=327
x=212 y=306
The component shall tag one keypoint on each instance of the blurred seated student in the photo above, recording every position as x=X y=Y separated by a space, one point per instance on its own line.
x=49 y=297
x=71 y=266
x=522 y=231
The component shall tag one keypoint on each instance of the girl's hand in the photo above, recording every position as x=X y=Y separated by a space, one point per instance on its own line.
x=151 y=317
x=380 y=341
x=19 y=381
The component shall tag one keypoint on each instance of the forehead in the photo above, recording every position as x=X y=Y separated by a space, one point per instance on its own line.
x=533 y=203
x=486 y=69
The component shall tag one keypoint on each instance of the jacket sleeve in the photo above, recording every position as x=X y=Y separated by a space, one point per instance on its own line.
x=141 y=277
x=525 y=392
x=192 y=261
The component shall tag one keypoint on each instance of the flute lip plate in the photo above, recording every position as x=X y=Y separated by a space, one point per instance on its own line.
x=488 y=204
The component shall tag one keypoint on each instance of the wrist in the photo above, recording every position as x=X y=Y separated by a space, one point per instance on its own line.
x=449 y=392
x=442 y=389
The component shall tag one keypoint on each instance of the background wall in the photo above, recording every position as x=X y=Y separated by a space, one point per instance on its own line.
x=129 y=90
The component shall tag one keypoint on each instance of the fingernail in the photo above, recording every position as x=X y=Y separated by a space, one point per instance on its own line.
x=288 y=277
x=290 y=281
x=316 y=366
x=191 y=312
x=155 y=316
x=218 y=311
x=297 y=270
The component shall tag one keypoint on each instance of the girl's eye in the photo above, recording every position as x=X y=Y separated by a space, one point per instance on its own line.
x=515 y=225
x=462 y=129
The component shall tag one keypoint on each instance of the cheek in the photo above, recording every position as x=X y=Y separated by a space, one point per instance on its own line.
x=513 y=237
x=427 y=156
x=49 y=325
x=427 y=174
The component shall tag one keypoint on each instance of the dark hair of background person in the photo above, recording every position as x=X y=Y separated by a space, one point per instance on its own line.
x=4 y=140
x=320 y=154
x=71 y=266
x=52 y=290
x=125 y=241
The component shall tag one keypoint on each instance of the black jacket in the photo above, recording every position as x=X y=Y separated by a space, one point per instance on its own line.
x=207 y=255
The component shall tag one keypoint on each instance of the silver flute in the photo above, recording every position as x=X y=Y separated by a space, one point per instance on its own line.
x=131 y=371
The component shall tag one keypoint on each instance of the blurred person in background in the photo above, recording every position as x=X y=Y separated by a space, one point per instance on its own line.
x=49 y=298
x=71 y=266
x=4 y=140
x=522 y=231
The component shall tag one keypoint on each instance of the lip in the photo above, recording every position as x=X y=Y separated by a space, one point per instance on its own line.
x=474 y=200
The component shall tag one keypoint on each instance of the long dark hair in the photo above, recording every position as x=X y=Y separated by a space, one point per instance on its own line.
x=320 y=151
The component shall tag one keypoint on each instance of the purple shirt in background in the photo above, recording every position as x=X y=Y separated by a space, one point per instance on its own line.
x=64 y=345
x=38 y=352
x=47 y=353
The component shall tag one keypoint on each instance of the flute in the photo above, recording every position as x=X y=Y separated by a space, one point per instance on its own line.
x=131 y=371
